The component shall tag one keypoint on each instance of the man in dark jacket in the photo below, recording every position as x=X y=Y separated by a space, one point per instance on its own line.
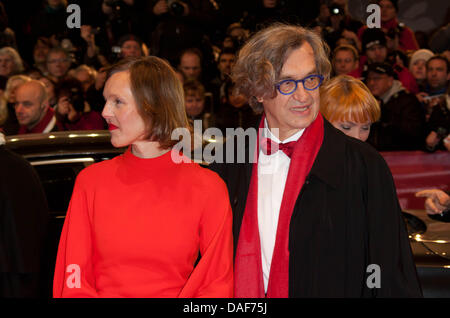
x=402 y=122
x=320 y=216
x=23 y=223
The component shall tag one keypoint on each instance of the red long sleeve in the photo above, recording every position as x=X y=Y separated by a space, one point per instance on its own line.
x=135 y=228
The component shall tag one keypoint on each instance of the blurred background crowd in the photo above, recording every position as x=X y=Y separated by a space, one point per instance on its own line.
x=407 y=71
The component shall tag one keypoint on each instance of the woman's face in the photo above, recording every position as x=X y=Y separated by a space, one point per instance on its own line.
x=359 y=131
x=6 y=65
x=419 y=69
x=120 y=112
x=387 y=10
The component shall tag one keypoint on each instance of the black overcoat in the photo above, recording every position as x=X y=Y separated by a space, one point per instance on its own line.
x=23 y=224
x=346 y=217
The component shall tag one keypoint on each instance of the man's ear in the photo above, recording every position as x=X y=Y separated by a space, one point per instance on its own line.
x=260 y=99
x=45 y=105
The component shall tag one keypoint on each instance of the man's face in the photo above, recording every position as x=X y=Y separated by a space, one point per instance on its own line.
x=131 y=49
x=194 y=103
x=376 y=53
x=190 y=66
x=226 y=62
x=379 y=83
x=40 y=52
x=437 y=74
x=58 y=64
x=6 y=65
x=29 y=107
x=344 y=62
x=291 y=113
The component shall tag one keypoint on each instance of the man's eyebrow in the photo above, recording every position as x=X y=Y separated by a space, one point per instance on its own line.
x=291 y=77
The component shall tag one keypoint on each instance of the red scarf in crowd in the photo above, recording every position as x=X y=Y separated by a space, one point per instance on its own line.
x=45 y=125
x=248 y=275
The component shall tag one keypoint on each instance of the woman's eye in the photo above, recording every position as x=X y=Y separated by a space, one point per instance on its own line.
x=365 y=128
x=345 y=127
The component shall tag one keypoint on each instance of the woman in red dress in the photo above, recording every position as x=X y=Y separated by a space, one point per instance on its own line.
x=137 y=224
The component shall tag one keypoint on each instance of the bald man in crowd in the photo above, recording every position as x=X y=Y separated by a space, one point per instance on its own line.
x=32 y=109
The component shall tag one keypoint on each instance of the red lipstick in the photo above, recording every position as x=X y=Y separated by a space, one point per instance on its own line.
x=112 y=127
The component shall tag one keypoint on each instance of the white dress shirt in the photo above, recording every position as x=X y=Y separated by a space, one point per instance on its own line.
x=272 y=174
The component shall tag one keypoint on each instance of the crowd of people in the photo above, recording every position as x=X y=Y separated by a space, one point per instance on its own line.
x=201 y=39
x=145 y=68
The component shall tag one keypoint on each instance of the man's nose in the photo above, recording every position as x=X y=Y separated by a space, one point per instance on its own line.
x=300 y=94
x=18 y=108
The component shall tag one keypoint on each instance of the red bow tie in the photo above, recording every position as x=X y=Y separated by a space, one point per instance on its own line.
x=269 y=147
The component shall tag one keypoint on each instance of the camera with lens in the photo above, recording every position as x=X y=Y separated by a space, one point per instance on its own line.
x=175 y=7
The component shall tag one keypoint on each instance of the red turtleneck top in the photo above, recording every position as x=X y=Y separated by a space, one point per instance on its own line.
x=135 y=227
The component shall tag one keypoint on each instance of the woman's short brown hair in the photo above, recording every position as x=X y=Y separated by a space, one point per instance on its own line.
x=261 y=59
x=158 y=94
x=346 y=98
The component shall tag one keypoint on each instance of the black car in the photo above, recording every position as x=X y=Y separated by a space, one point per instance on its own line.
x=58 y=158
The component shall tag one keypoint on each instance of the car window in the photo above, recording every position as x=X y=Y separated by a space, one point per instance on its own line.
x=58 y=177
x=58 y=181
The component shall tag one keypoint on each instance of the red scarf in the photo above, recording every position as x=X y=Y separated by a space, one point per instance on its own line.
x=40 y=127
x=248 y=275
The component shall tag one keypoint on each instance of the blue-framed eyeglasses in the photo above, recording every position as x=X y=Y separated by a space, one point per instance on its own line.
x=310 y=83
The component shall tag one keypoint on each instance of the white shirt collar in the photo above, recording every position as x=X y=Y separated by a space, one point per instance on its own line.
x=268 y=134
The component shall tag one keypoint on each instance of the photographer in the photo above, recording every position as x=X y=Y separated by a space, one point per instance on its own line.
x=438 y=125
x=123 y=17
x=70 y=112
x=341 y=26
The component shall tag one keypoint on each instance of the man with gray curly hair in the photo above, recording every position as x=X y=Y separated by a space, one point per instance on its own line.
x=315 y=212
